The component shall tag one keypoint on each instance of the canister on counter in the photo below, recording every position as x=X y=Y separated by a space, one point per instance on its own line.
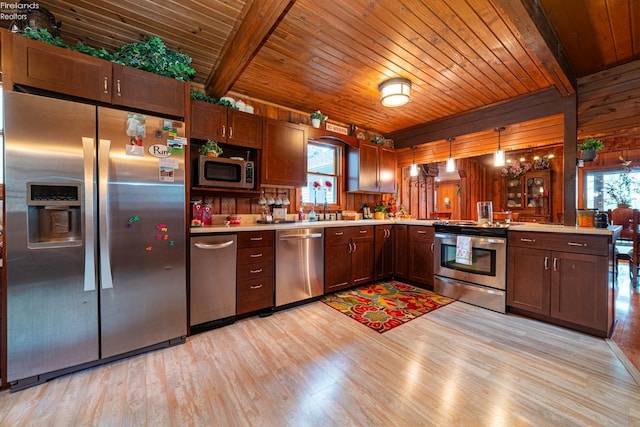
x=602 y=220
x=196 y=213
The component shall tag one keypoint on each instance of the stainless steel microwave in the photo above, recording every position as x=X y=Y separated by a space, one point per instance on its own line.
x=225 y=173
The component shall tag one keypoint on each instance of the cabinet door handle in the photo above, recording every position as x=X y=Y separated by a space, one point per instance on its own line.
x=583 y=245
x=522 y=239
x=118 y=91
x=349 y=248
x=255 y=255
x=256 y=286
x=546 y=263
x=422 y=232
x=255 y=271
x=106 y=85
x=256 y=239
x=339 y=233
x=230 y=132
x=433 y=247
x=555 y=264
x=355 y=247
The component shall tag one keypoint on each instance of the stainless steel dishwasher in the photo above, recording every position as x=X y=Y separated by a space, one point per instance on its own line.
x=213 y=278
x=299 y=264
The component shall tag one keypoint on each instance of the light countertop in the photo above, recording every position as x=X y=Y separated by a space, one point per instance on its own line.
x=518 y=226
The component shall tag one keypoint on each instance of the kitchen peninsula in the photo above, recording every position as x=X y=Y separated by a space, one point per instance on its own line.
x=557 y=274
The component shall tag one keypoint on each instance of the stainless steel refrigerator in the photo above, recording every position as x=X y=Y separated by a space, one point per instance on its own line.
x=94 y=235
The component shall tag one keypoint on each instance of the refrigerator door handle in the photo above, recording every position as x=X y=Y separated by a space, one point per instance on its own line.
x=106 y=280
x=90 y=234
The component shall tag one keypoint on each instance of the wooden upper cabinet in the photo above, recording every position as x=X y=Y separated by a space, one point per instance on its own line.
x=210 y=121
x=147 y=91
x=244 y=129
x=371 y=168
x=368 y=170
x=284 y=154
x=386 y=170
x=55 y=69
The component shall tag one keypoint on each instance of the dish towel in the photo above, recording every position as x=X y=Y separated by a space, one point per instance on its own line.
x=463 y=250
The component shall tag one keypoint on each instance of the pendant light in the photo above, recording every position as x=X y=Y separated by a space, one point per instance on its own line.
x=413 y=170
x=498 y=159
x=451 y=164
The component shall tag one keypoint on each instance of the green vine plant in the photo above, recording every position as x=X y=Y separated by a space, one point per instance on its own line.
x=151 y=55
x=199 y=95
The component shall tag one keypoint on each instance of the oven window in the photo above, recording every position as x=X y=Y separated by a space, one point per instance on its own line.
x=222 y=172
x=483 y=261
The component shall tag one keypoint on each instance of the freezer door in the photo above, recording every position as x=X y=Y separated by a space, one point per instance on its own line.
x=142 y=229
x=52 y=299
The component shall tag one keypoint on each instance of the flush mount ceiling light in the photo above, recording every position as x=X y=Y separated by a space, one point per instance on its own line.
x=395 y=92
x=498 y=159
x=451 y=164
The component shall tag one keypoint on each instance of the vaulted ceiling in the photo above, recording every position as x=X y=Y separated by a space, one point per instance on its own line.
x=460 y=55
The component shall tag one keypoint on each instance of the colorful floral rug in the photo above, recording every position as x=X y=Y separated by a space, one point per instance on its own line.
x=383 y=306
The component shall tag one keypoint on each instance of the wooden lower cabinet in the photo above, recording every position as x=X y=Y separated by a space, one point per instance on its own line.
x=551 y=278
x=420 y=252
x=400 y=244
x=348 y=257
x=384 y=251
x=255 y=271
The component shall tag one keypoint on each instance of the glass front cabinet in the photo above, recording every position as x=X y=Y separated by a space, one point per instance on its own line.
x=529 y=195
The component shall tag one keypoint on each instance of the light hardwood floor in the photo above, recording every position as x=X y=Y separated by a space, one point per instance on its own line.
x=626 y=333
x=312 y=366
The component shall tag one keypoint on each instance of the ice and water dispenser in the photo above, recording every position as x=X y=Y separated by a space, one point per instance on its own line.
x=54 y=215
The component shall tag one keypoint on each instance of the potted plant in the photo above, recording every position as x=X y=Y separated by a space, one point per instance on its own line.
x=379 y=210
x=317 y=117
x=210 y=148
x=589 y=149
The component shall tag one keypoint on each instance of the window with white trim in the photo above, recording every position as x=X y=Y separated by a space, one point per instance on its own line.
x=324 y=162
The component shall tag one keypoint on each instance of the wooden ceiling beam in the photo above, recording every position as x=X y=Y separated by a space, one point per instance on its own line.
x=258 y=23
x=536 y=32
x=539 y=104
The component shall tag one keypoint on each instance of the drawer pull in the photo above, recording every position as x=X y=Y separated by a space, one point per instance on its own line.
x=338 y=284
x=363 y=231
x=256 y=239
x=256 y=286
x=255 y=271
x=339 y=233
x=255 y=255
x=583 y=245
x=422 y=232
x=522 y=239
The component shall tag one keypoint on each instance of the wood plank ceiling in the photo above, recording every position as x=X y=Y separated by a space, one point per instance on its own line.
x=460 y=55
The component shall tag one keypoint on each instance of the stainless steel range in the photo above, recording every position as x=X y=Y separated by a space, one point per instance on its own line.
x=471 y=263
